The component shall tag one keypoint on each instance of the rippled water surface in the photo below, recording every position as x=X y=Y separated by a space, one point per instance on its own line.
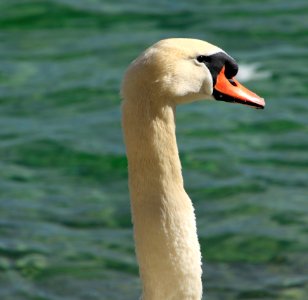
x=65 y=229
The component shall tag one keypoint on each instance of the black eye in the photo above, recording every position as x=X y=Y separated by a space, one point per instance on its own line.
x=202 y=58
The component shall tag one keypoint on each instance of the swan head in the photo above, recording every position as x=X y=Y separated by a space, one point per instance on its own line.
x=183 y=70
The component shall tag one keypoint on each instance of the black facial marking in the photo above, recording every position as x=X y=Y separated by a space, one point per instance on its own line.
x=216 y=61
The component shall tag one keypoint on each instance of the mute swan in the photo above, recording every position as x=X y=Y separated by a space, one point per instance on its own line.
x=171 y=72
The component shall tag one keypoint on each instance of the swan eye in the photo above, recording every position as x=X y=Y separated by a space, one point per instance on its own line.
x=202 y=58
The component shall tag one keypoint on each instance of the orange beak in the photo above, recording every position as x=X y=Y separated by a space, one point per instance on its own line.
x=231 y=90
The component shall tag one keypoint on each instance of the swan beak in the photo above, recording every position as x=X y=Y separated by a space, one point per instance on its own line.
x=230 y=90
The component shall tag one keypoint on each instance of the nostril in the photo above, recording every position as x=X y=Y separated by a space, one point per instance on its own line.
x=232 y=82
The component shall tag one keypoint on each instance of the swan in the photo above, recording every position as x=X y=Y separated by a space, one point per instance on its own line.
x=171 y=72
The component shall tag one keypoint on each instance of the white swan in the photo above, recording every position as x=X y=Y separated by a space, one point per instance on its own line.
x=171 y=72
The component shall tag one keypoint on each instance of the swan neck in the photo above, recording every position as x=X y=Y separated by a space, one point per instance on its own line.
x=152 y=150
x=165 y=235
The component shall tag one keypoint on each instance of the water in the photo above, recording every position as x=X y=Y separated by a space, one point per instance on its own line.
x=65 y=230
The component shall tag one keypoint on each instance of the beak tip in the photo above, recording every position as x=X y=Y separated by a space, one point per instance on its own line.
x=262 y=103
x=257 y=101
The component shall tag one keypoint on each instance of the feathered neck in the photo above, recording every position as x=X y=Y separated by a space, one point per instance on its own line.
x=167 y=247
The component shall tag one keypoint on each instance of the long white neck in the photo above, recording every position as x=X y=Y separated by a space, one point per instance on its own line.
x=167 y=246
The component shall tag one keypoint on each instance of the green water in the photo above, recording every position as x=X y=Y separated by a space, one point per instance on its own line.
x=65 y=229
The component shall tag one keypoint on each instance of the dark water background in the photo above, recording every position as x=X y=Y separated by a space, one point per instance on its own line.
x=65 y=230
